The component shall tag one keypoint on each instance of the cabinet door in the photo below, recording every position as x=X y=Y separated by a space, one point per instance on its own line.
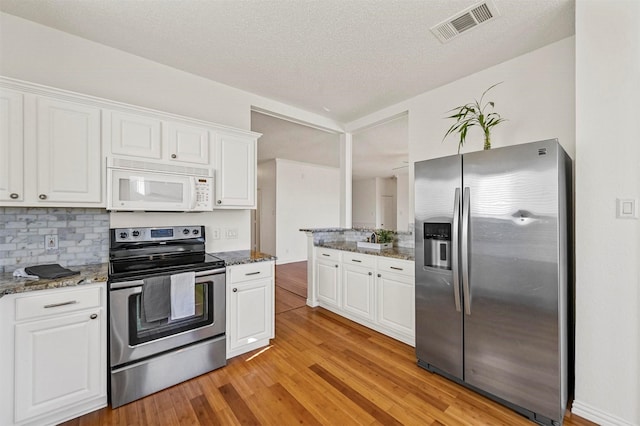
x=328 y=279
x=11 y=146
x=235 y=164
x=57 y=363
x=135 y=135
x=68 y=151
x=186 y=143
x=251 y=307
x=396 y=302
x=358 y=291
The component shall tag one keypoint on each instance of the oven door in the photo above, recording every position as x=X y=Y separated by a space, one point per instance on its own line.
x=132 y=338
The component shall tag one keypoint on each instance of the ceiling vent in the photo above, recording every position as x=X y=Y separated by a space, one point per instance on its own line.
x=465 y=20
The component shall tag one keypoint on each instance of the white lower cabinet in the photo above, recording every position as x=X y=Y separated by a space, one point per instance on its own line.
x=250 y=307
x=375 y=291
x=58 y=356
x=358 y=291
x=396 y=302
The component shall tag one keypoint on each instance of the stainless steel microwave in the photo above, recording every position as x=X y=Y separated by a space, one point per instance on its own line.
x=142 y=185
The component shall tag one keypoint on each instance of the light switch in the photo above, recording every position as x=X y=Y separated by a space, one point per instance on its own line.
x=627 y=208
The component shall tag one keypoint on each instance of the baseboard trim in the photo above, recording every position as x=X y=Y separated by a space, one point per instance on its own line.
x=596 y=415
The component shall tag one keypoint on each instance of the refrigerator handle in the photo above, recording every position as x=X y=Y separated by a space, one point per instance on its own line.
x=465 y=250
x=454 y=249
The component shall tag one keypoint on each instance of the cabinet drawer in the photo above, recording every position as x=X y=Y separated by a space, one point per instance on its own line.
x=402 y=267
x=327 y=254
x=349 y=258
x=57 y=302
x=252 y=271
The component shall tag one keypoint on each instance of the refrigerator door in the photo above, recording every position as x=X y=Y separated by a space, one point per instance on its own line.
x=513 y=330
x=438 y=302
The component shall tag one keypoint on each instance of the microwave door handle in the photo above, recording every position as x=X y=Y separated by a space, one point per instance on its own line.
x=194 y=197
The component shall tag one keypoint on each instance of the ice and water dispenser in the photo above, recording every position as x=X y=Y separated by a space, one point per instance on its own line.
x=437 y=245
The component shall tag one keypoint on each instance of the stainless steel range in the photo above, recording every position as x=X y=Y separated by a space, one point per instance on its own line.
x=167 y=310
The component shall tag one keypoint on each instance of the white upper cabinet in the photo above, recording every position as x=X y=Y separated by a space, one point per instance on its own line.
x=187 y=143
x=68 y=152
x=53 y=145
x=50 y=152
x=235 y=164
x=156 y=138
x=11 y=145
x=134 y=135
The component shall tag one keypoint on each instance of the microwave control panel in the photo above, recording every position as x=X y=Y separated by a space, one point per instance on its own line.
x=204 y=193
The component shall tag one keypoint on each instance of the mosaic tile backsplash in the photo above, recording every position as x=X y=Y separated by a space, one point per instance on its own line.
x=82 y=236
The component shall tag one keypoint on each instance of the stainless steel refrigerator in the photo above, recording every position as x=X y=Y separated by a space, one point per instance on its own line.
x=492 y=259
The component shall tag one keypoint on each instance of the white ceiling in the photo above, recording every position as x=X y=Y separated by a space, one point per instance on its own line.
x=353 y=57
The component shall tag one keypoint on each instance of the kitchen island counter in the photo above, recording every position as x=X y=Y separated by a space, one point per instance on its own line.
x=88 y=274
x=394 y=252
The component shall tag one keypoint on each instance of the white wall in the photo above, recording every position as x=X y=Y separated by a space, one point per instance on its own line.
x=607 y=249
x=364 y=203
x=307 y=196
x=402 y=201
x=267 y=210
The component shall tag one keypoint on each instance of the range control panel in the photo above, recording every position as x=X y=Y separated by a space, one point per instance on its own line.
x=158 y=234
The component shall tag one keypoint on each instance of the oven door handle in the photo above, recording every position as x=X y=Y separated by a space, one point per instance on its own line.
x=139 y=283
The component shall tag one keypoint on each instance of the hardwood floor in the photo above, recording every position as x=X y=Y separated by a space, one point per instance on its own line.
x=293 y=277
x=291 y=286
x=321 y=369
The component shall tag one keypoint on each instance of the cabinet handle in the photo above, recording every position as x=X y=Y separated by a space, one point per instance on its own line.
x=14 y=196
x=336 y=266
x=42 y=196
x=93 y=316
x=356 y=260
x=379 y=276
x=55 y=305
x=397 y=269
x=219 y=202
x=325 y=254
x=252 y=273
x=174 y=156
x=370 y=273
x=235 y=290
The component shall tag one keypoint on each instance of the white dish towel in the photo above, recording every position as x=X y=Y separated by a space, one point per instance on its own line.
x=183 y=300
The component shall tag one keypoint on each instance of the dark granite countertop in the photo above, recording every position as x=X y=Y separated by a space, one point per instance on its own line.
x=88 y=274
x=241 y=257
x=395 y=252
x=314 y=230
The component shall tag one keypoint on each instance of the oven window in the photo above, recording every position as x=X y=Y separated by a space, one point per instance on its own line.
x=141 y=331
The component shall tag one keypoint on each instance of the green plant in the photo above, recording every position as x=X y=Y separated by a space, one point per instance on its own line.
x=384 y=236
x=473 y=114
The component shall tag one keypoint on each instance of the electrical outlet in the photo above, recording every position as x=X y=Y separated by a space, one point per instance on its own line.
x=51 y=242
x=231 y=233
x=215 y=233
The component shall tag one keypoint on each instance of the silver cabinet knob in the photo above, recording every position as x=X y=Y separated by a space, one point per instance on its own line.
x=336 y=266
x=370 y=273
x=174 y=156
x=93 y=316
x=42 y=196
x=235 y=290
x=219 y=202
x=14 y=196
x=379 y=276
